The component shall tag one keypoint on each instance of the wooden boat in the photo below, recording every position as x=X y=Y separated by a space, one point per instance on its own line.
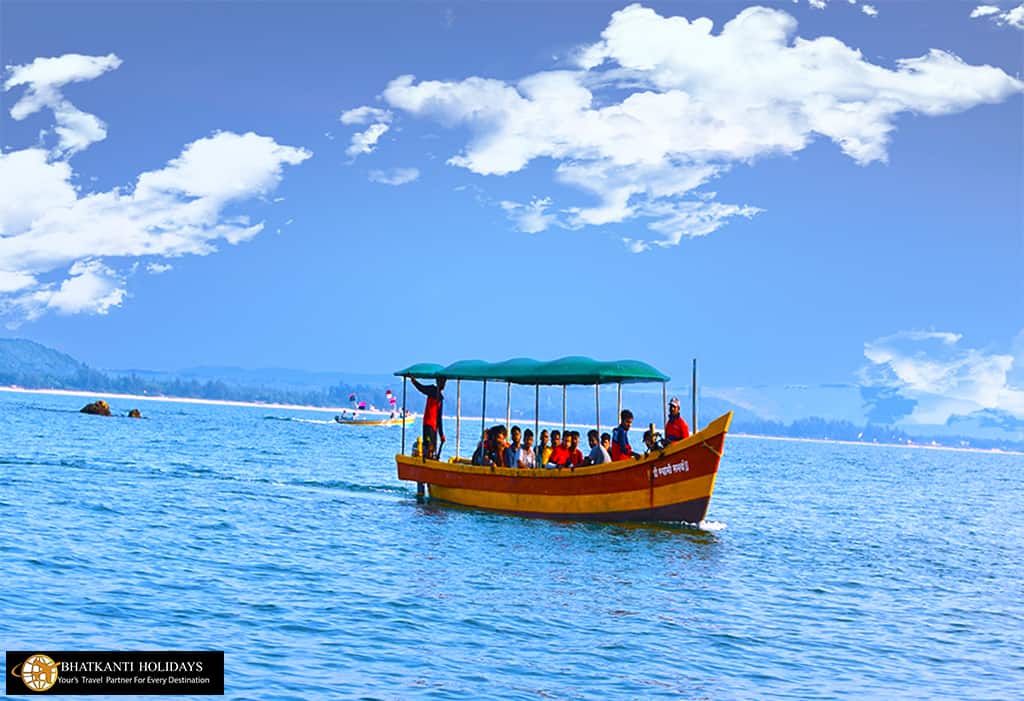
x=670 y=484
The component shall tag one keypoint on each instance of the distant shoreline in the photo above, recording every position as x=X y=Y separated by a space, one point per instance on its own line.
x=304 y=407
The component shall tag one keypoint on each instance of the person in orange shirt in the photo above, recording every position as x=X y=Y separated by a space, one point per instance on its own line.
x=675 y=428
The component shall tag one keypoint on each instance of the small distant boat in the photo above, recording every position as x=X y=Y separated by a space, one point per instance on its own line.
x=669 y=484
x=357 y=419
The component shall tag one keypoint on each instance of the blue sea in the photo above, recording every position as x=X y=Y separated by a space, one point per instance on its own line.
x=286 y=540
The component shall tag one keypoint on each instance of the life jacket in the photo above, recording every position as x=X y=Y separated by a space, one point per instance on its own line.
x=433 y=409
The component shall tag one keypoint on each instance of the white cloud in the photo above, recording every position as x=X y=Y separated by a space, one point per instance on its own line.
x=43 y=79
x=69 y=251
x=943 y=378
x=395 y=176
x=158 y=268
x=366 y=141
x=817 y=4
x=92 y=287
x=869 y=10
x=659 y=106
x=530 y=218
x=365 y=115
x=1013 y=17
x=984 y=11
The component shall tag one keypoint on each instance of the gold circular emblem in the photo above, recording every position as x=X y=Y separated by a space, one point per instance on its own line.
x=38 y=672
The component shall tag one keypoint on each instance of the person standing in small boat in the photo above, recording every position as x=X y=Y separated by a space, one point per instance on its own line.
x=433 y=414
x=675 y=428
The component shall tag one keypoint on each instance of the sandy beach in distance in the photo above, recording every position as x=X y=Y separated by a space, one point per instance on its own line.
x=497 y=419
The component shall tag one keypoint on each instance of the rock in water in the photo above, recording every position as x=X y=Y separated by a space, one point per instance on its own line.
x=100 y=408
x=135 y=414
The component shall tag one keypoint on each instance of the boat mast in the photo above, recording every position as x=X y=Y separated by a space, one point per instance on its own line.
x=458 y=415
x=693 y=390
x=536 y=412
x=618 y=409
x=597 y=402
x=664 y=401
x=483 y=412
x=508 y=404
x=404 y=381
x=563 y=410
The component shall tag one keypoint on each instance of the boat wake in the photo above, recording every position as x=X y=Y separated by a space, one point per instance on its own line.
x=296 y=419
x=711 y=526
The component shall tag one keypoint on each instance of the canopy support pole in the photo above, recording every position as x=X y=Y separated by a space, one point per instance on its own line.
x=404 y=381
x=483 y=412
x=597 y=402
x=664 y=402
x=458 y=415
x=536 y=412
x=508 y=403
x=563 y=410
x=693 y=390
x=618 y=410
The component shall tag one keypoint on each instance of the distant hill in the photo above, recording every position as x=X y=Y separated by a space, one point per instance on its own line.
x=34 y=366
x=24 y=361
x=281 y=378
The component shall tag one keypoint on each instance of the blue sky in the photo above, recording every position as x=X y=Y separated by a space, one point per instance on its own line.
x=576 y=178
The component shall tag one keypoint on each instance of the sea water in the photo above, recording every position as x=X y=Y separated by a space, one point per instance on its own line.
x=286 y=540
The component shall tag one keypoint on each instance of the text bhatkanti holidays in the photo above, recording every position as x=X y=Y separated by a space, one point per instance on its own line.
x=70 y=666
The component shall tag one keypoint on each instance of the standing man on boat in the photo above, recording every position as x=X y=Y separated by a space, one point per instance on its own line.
x=433 y=413
x=621 y=450
x=675 y=428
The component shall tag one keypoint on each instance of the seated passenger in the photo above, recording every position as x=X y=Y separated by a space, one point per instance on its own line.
x=526 y=457
x=509 y=456
x=560 y=454
x=652 y=440
x=542 y=447
x=496 y=450
x=555 y=441
x=606 y=443
x=575 y=455
x=480 y=454
x=675 y=428
x=598 y=455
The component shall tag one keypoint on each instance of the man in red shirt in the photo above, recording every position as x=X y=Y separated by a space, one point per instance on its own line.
x=675 y=428
x=575 y=455
x=432 y=416
x=560 y=454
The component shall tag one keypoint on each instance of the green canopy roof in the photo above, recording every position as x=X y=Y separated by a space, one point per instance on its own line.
x=573 y=370
x=421 y=370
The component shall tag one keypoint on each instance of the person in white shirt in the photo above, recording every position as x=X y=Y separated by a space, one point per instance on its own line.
x=526 y=458
x=598 y=454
